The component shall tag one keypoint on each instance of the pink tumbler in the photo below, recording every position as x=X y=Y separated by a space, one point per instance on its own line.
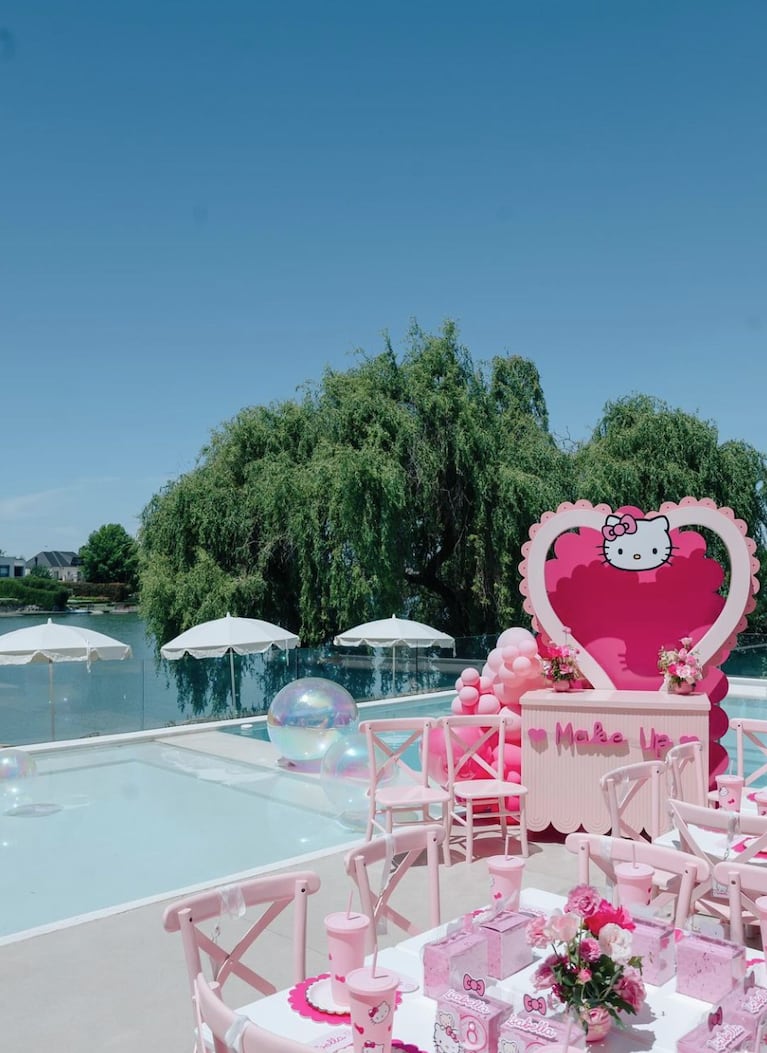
x=634 y=881
x=729 y=789
x=371 y=1007
x=760 y=799
x=505 y=880
x=346 y=935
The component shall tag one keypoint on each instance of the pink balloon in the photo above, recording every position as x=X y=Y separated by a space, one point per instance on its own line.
x=506 y=674
x=457 y=707
x=513 y=726
x=485 y=683
x=468 y=696
x=527 y=647
x=488 y=704
x=470 y=676
x=512 y=756
x=514 y=636
x=458 y=684
x=522 y=666
x=509 y=654
x=510 y=692
x=495 y=659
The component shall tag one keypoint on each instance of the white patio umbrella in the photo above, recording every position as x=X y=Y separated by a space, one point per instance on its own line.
x=389 y=632
x=230 y=636
x=53 y=642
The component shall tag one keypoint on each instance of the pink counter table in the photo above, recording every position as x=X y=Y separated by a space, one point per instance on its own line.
x=571 y=738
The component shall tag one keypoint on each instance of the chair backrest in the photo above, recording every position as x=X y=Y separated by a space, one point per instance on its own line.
x=230 y=1030
x=397 y=852
x=272 y=892
x=714 y=834
x=622 y=788
x=755 y=732
x=682 y=872
x=688 y=780
x=392 y=748
x=466 y=739
x=744 y=883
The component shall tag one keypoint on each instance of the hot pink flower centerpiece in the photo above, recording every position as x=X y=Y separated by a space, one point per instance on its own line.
x=591 y=970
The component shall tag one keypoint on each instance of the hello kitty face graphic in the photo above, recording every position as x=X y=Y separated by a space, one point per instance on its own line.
x=446 y=1038
x=379 y=1012
x=636 y=544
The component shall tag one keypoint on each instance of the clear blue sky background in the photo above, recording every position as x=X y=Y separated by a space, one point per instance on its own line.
x=204 y=205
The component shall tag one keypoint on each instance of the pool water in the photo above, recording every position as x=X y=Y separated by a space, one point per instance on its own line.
x=102 y=826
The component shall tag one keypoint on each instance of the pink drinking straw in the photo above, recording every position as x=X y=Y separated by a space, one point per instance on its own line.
x=507 y=846
x=375 y=961
x=349 y=904
x=634 y=854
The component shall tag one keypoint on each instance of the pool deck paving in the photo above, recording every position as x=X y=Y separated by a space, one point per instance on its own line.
x=118 y=983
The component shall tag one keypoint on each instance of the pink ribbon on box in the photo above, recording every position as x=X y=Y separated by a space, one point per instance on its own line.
x=534 y=1005
x=470 y=984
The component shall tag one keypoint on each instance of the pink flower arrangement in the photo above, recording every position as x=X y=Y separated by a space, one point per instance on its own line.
x=591 y=970
x=559 y=662
x=679 y=665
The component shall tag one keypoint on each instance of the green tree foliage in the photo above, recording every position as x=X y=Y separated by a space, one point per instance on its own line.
x=110 y=555
x=39 y=571
x=407 y=485
x=33 y=591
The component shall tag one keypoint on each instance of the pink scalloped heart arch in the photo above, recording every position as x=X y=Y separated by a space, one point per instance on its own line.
x=619 y=619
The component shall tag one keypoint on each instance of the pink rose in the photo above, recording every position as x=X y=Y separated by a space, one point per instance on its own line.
x=589 y=950
x=562 y=927
x=536 y=936
x=584 y=975
x=607 y=914
x=543 y=977
x=615 y=942
x=630 y=988
x=583 y=900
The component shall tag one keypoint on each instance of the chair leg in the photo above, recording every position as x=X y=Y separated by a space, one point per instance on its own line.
x=469 y=831
x=523 y=828
x=446 y=843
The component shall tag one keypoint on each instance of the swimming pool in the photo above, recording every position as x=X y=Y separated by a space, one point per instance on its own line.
x=101 y=827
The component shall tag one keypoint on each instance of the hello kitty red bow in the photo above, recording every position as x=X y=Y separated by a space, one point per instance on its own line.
x=616 y=527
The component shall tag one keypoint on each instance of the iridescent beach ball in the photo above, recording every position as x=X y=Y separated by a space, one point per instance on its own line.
x=345 y=777
x=308 y=715
x=15 y=764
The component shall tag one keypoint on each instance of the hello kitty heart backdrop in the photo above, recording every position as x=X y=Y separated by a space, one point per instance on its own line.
x=621 y=584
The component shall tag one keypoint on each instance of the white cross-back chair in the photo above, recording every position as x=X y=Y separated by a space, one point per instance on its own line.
x=378 y=868
x=629 y=785
x=479 y=793
x=401 y=790
x=688 y=779
x=219 y=926
x=755 y=733
x=678 y=874
x=744 y=883
x=228 y=1030
x=716 y=835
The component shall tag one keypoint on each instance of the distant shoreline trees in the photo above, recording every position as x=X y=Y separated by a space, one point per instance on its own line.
x=409 y=485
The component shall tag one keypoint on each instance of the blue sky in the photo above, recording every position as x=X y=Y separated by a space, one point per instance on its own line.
x=204 y=205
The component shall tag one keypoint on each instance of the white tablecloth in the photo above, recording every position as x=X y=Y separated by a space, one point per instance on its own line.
x=663 y=1019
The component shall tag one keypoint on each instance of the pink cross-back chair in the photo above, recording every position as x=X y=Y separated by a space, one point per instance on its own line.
x=230 y=1031
x=687 y=776
x=265 y=896
x=678 y=874
x=629 y=784
x=742 y=883
x=401 y=790
x=397 y=853
x=755 y=732
x=479 y=792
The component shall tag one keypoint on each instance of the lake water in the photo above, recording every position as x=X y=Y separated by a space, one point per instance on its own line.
x=142 y=693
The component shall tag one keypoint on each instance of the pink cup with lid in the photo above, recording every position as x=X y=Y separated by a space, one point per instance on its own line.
x=371 y=1007
x=729 y=789
x=506 y=880
x=634 y=881
x=760 y=800
x=346 y=934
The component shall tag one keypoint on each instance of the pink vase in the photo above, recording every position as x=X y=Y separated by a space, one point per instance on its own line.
x=600 y=1023
x=682 y=689
x=561 y=685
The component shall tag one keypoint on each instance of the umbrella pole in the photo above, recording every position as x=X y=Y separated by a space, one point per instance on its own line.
x=51 y=703
x=231 y=670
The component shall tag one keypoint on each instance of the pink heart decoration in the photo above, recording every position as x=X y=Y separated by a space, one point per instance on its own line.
x=617 y=640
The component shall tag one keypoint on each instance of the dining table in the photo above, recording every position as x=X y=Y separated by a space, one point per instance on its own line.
x=662 y=1020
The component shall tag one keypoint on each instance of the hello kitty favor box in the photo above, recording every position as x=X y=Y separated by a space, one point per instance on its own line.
x=653 y=941
x=747 y=1005
x=713 y=1038
x=508 y=950
x=468 y=1021
x=526 y=1031
x=447 y=962
x=708 y=968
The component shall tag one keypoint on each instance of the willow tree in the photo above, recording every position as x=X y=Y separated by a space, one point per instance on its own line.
x=401 y=484
x=644 y=452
